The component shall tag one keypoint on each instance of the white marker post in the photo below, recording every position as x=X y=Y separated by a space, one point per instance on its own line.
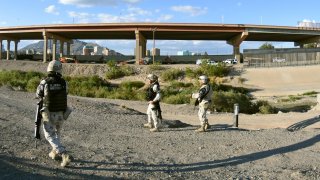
x=236 y=113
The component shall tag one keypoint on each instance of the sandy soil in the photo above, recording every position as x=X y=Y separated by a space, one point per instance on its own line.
x=106 y=139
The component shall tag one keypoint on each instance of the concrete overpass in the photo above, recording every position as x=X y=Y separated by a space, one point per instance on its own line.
x=233 y=34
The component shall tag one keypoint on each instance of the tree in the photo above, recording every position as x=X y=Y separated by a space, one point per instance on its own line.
x=310 y=45
x=266 y=46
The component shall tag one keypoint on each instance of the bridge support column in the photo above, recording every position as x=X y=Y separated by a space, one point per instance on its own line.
x=141 y=44
x=8 y=49
x=236 y=52
x=0 y=49
x=45 y=48
x=68 y=48
x=54 y=49
x=235 y=42
x=61 y=48
x=16 y=49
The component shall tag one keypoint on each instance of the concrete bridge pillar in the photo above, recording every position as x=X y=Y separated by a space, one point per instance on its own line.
x=16 y=49
x=45 y=48
x=141 y=46
x=54 y=49
x=61 y=48
x=68 y=48
x=235 y=42
x=236 y=52
x=8 y=49
x=0 y=49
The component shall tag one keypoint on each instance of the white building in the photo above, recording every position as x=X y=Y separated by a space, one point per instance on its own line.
x=184 y=53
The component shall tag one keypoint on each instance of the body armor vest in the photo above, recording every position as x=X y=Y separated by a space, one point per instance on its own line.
x=150 y=93
x=56 y=98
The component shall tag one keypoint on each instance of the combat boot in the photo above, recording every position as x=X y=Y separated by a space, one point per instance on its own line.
x=154 y=130
x=148 y=125
x=201 y=129
x=207 y=126
x=53 y=154
x=65 y=160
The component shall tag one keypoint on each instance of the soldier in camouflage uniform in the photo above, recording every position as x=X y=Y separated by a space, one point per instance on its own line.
x=154 y=110
x=203 y=98
x=53 y=91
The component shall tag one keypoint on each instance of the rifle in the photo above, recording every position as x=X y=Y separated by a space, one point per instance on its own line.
x=37 y=121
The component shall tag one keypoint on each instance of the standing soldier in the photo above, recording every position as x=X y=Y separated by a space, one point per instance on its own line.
x=154 y=110
x=53 y=91
x=203 y=98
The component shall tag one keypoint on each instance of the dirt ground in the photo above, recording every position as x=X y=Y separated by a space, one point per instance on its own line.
x=107 y=141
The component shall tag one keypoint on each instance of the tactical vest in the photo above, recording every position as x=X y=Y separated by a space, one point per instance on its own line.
x=56 y=98
x=150 y=93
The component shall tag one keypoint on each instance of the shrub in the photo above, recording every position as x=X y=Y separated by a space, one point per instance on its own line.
x=155 y=67
x=177 y=99
x=310 y=93
x=130 y=85
x=33 y=84
x=224 y=102
x=171 y=74
x=118 y=72
x=265 y=108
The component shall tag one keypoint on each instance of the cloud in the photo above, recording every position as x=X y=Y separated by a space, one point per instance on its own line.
x=109 y=18
x=193 y=11
x=164 y=17
x=51 y=10
x=138 y=11
x=3 y=22
x=91 y=3
x=81 y=17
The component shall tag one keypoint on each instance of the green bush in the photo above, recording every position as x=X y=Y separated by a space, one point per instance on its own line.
x=172 y=74
x=33 y=84
x=177 y=99
x=118 y=72
x=224 y=102
x=130 y=85
x=17 y=78
x=310 y=93
x=265 y=108
x=218 y=70
x=155 y=67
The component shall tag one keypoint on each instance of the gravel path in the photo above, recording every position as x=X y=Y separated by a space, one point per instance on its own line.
x=107 y=141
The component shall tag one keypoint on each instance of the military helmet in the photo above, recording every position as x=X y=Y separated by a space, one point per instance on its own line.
x=204 y=78
x=152 y=77
x=54 y=66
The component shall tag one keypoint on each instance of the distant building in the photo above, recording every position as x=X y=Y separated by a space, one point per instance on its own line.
x=110 y=52
x=30 y=51
x=155 y=51
x=148 y=53
x=184 y=53
x=88 y=50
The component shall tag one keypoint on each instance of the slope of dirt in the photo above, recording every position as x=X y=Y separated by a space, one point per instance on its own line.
x=108 y=141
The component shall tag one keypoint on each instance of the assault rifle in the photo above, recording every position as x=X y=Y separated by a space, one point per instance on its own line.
x=37 y=121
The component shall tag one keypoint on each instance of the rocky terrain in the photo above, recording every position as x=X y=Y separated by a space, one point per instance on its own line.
x=107 y=141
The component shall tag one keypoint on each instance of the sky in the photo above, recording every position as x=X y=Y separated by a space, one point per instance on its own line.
x=257 y=12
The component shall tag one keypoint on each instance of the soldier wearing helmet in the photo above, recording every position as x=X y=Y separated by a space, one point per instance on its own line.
x=154 y=110
x=53 y=91
x=203 y=98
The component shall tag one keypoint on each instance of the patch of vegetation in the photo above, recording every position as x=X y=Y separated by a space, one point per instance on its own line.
x=155 y=67
x=115 y=71
x=218 y=70
x=172 y=74
x=310 y=93
x=224 y=97
x=23 y=80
